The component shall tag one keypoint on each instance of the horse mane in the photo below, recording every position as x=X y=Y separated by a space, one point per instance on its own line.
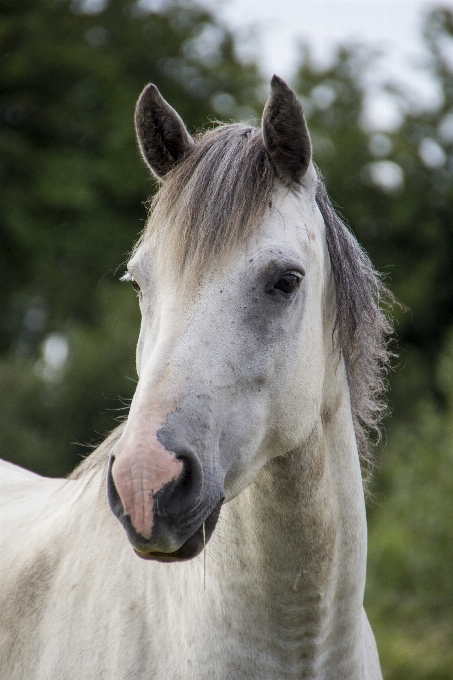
x=212 y=201
x=362 y=328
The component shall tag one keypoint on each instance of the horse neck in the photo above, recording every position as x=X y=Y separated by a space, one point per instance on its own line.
x=299 y=555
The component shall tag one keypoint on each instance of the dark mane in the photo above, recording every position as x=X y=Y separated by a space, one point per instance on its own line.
x=362 y=328
x=213 y=199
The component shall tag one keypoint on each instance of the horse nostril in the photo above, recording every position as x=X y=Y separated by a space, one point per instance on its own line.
x=177 y=498
x=113 y=496
x=186 y=478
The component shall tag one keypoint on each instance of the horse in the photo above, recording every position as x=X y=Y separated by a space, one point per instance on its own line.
x=231 y=540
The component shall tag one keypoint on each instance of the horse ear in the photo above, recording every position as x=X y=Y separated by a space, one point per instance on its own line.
x=161 y=134
x=285 y=133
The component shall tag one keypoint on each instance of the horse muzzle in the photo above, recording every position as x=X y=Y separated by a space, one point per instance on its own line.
x=182 y=513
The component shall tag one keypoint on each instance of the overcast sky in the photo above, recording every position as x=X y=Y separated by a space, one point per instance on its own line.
x=391 y=25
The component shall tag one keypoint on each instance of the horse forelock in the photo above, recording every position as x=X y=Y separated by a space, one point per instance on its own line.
x=213 y=200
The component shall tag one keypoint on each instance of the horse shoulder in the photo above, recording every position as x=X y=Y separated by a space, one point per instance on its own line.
x=69 y=584
x=24 y=497
x=31 y=513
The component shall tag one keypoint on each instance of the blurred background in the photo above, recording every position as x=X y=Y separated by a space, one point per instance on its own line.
x=72 y=203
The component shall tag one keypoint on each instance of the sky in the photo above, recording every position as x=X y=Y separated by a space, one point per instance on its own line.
x=393 y=26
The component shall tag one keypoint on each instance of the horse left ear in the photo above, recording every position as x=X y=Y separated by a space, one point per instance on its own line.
x=161 y=134
x=285 y=133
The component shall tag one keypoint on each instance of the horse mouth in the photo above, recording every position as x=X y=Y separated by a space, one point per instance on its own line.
x=191 y=547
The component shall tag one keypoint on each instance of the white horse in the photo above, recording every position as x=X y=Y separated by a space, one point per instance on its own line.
x=260 y=361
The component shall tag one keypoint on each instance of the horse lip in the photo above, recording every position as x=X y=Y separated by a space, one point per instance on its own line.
x=191 y=547
x=159 y=557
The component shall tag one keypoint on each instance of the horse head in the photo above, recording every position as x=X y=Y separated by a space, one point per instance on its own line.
x=234 y=284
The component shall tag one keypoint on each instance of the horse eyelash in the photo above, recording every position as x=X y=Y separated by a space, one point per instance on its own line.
x=127 y=276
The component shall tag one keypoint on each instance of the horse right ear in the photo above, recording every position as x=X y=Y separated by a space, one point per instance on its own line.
x=161 y=134
x=285 y=133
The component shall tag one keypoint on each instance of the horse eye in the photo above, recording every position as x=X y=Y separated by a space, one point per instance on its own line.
x=128 y=278
x=287 y=283
x=135 y=285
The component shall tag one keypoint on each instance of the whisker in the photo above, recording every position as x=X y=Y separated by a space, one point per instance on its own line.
x=204 y=558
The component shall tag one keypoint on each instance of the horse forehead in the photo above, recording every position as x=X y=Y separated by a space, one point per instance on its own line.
x=292 y=223
x=293 y=220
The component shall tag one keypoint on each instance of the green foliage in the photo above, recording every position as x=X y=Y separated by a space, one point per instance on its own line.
x=410 y=581
x=50 y=415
